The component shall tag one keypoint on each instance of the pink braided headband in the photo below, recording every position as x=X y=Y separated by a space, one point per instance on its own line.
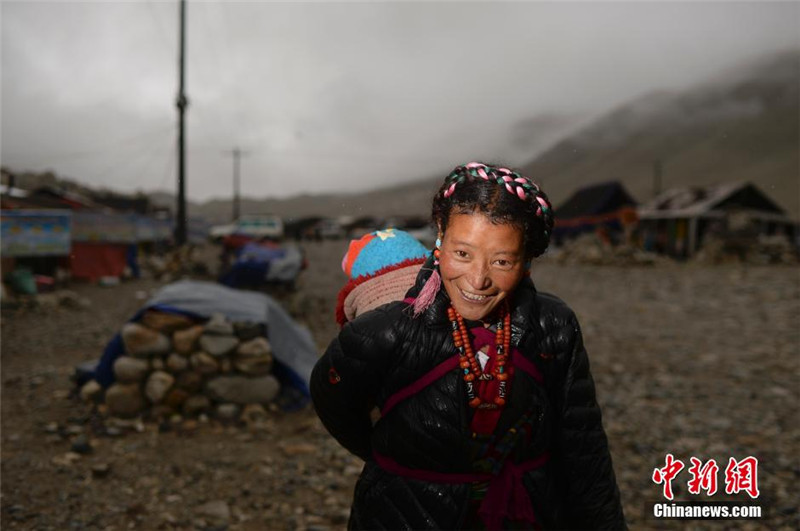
x=512 y=184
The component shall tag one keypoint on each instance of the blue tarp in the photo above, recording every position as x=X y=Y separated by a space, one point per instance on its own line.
x=257 y=264
x=293 y=347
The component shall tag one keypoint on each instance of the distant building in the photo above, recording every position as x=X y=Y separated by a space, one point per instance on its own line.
x=48 y=197
x=51 y=228
x=679 y=220
x=606 y=208
x=138 y=204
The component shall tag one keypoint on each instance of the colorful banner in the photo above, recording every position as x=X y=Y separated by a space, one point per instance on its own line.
x=152 y=230
x=102 y=227
x=35 y=232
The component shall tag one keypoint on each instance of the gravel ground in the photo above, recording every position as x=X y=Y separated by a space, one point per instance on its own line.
x=688 y=360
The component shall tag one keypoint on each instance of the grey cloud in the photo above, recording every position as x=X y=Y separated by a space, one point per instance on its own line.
x=337 y=96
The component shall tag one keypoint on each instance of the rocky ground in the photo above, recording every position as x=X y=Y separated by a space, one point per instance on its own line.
x=690 y=360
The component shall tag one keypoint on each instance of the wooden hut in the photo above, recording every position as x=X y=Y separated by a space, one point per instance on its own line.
x=677 y=221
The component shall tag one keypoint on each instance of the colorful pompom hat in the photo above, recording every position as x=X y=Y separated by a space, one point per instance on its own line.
x=382 y=266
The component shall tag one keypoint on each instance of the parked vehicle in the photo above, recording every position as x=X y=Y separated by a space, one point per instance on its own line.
x=260 y=226
x=218 y=232
x=330 y=229
x=254 y=226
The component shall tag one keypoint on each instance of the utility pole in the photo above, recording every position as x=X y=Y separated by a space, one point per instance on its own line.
x=237 y=154
x=182 y=103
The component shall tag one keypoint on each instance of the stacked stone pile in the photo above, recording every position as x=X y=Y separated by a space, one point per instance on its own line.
x=174 y=366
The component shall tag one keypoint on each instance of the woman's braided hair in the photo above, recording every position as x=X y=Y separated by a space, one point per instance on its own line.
x=503 y=195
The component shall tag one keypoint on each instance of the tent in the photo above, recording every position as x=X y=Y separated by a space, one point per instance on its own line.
x=606 y=205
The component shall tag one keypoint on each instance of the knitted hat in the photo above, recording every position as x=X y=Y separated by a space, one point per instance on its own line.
x=381 y=266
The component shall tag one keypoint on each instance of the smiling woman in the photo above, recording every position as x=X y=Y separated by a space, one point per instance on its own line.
x=488 y=417
x=481 y=263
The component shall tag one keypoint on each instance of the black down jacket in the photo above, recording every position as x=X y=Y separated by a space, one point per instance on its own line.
x=386 y=349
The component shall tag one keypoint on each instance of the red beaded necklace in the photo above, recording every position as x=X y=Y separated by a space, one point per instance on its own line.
x=471 y=366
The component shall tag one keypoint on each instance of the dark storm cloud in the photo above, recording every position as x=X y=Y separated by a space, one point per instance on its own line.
x=335 y=96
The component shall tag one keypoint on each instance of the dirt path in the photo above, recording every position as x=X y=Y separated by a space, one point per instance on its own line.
x=691 y=361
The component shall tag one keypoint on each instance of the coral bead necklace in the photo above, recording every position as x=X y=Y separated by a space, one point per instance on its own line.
x=471 y=366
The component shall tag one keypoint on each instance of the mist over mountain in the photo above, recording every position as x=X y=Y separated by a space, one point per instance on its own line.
x=742 y=125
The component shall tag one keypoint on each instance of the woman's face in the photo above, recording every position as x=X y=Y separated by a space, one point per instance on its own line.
x=481 y=263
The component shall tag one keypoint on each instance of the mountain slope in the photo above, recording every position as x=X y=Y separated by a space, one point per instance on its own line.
x=741 y=127
x=412 y=199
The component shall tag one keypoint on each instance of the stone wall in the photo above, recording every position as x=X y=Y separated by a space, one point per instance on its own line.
x=175 y=366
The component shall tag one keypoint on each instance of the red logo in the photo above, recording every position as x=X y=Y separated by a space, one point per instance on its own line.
x=703 y=477
x=667 y=474
x=742 y=476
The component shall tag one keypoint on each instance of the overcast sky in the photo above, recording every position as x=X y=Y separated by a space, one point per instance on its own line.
x=337 y=96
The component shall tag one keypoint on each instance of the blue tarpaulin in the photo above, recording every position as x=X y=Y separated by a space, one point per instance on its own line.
x=293 y=347
x=257 y=264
